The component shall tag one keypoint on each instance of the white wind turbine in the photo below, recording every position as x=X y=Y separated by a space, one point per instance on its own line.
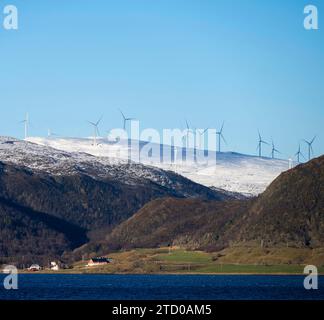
x=298 y=154
x=274 y=150
x=201 y=134
x=187 y=134
x=220 y=135
x=261 y=141
x=26 y=125
x=125 y=119
x=96 y=132
x=310 y=147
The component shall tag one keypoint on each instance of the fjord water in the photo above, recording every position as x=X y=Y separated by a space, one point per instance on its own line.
x=159 y=287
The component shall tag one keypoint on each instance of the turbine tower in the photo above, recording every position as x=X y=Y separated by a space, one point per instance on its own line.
x=274 y=150
x=125 y=119
x=260 y=144
x=220 y=135
x=298 y=154
x=310 y=148
x=26 y=124
x=96 y=132
x=175 y=158
x=188 y=131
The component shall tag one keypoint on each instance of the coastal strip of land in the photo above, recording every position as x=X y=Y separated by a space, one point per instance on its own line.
x=263 y=261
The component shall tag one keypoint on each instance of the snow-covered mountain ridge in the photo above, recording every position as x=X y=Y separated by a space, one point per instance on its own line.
x=234 y=172
x=41 y=158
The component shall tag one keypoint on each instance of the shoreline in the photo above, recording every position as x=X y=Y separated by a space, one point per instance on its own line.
x=168 y=273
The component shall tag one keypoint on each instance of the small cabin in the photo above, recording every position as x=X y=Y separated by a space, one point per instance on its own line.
x=9 y=269
x=34 y=267
x=54 y=266
x=98 y=261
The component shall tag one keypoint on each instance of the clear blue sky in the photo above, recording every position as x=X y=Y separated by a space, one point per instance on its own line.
x=250 y=63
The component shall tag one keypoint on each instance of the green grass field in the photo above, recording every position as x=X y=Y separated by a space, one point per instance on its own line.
x=202 y=262
x=182 y=256
x=230 y=261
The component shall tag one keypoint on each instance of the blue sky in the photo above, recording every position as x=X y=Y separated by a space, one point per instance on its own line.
x=250 y=63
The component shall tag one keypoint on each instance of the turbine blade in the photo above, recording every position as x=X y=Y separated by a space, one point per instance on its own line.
x=223 y=138
x=97 y=123
x=265 y=142
x=260 y=138
x=221 y=130
x=122 y=114
x=306 y=141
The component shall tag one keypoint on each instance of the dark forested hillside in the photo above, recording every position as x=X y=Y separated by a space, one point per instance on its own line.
x=290 y=212
x=191 y=223
x=49 y=205
x=27 y=235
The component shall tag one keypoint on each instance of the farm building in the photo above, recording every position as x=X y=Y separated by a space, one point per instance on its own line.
x=34 y=267
x=98 y=261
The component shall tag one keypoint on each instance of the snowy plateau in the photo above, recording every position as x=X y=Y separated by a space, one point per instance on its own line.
x=234 y=172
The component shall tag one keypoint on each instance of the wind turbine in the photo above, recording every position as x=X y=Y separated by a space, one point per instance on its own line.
x=125 y=119
x=26 y=124
x=274 y=150
x=260 y=144
x=195 y=131
x=188 y=131
x=201 y=133
x=220 y=135
x=298 y=154
x=95 y=130
x=310 y=148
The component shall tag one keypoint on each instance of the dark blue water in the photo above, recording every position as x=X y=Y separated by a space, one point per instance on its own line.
x=155 y=287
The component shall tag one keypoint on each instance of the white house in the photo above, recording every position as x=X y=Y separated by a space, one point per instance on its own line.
x=34 y=267
x=54 y=266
